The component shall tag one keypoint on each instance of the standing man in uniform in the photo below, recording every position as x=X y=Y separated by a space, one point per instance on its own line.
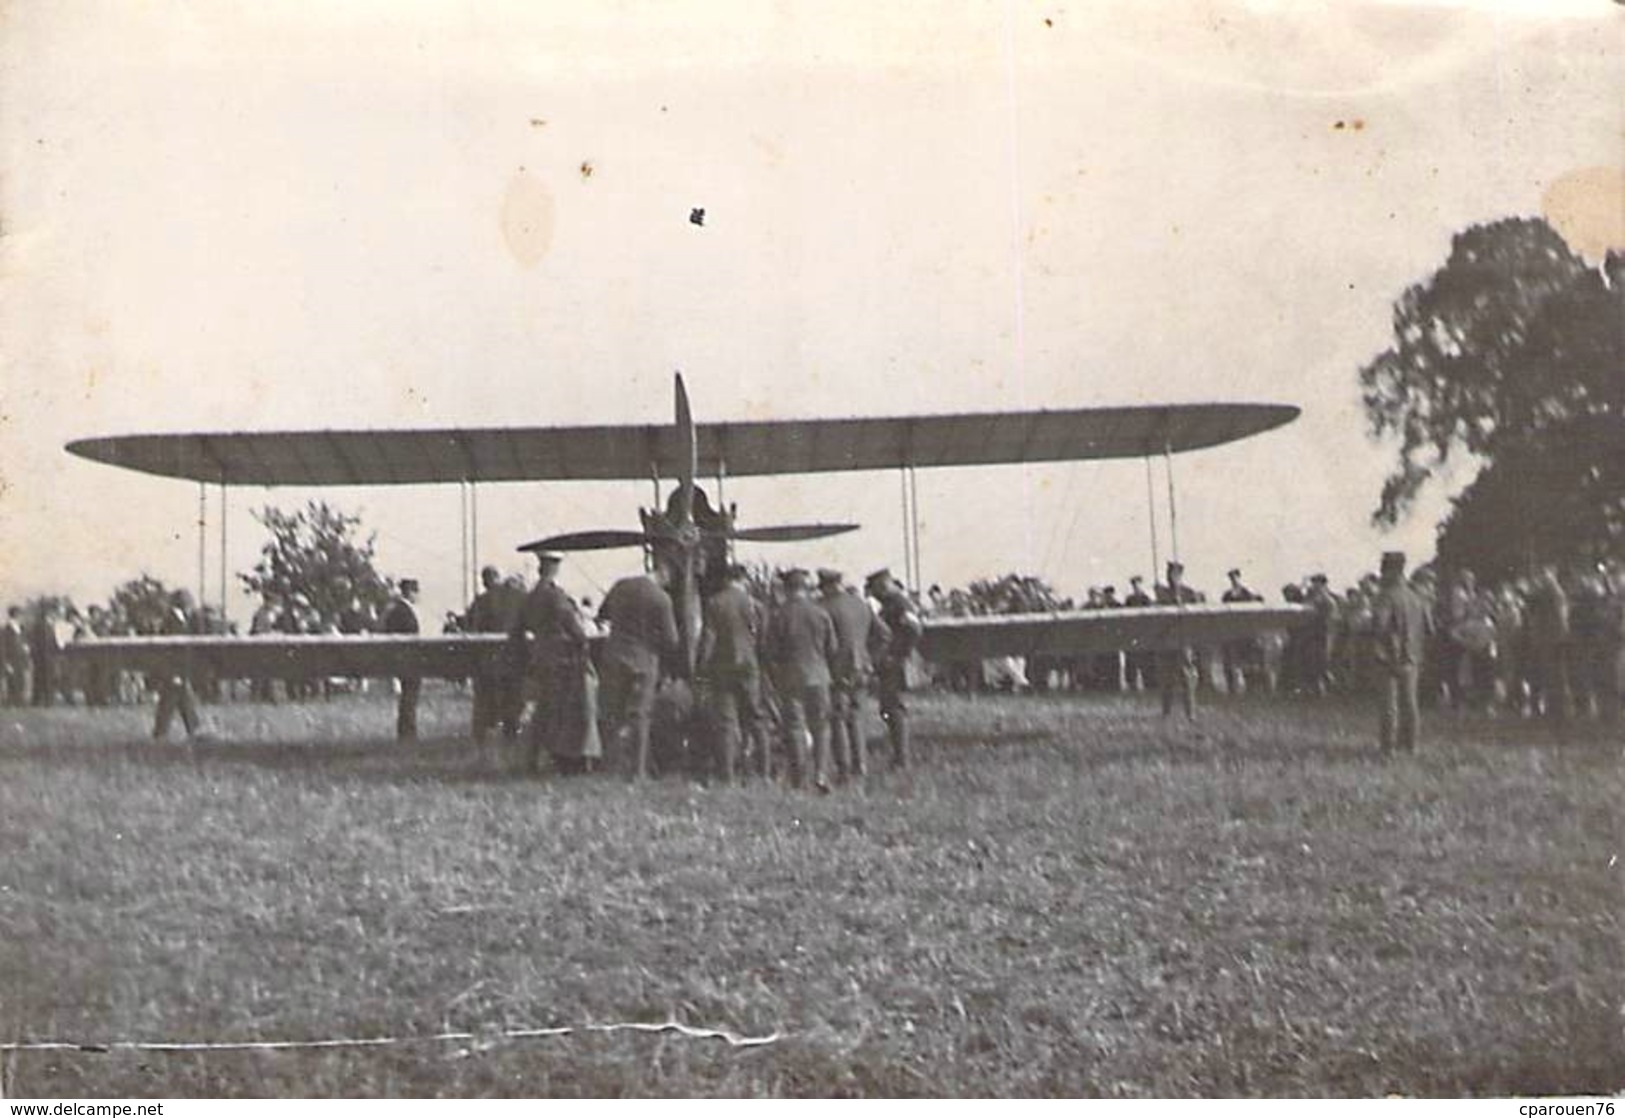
x=800 y=644
x=856 y=628
x=642 y=632
x=1319 y=635
x=1176 y=667
x=564 y=722
x=894 y=643
x=728 y=665
x=497 y=686
x=1401 y=629
x=401 y=618
x=43 y=652
x=175 y=689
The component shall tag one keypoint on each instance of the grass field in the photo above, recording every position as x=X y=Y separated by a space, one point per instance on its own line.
x=1065 y=897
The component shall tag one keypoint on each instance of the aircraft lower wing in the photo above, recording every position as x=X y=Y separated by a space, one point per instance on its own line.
x=275 y=656
x=1079 y=632
x=1074 y=633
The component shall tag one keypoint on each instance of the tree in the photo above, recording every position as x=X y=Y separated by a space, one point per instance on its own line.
x=141 y=604
x=1513 y=353
x=315 y=557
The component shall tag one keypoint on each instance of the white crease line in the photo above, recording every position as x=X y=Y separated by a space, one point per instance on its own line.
x=694 y=1032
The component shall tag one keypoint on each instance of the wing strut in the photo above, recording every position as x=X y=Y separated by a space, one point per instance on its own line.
x=224 y=628
x=914 y=509
x=202 y=543
x=908 y=536
x=1151 y=517
x=1173 y=508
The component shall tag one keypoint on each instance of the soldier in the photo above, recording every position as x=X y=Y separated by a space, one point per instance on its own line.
x=43 y=653
x=800 y=644
x=894 y=645
x=1319 y=635
x=14 y=658
x=175 y=690
x=565 y=720
x=731 y=673
x=400 y=617
x=850 y=668
x=1176 y=667
x=642 y=631
x=1402 y=625
x=497 y=694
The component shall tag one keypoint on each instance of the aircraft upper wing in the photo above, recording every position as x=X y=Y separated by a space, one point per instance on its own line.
x=276 y=655
x=1078 y=632
x=792 y=446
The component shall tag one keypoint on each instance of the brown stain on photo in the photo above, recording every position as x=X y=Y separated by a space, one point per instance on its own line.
x=527 y=218
x=1587 y=206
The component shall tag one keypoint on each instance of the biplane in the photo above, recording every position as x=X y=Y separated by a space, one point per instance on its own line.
x=688 y=532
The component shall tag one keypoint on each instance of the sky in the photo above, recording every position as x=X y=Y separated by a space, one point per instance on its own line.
x=234 y=216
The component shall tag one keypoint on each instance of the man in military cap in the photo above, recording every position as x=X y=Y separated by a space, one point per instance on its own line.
x=401 y=617
x=1402 y=625
x=1176 y=667
x=175 y=693
x=800 y=645
x=856 y=629
x=728 y=665
x=497 y=687
x=1318 y=635
x=893 y=646
x=547 y=635
x=642 y=632
x=44 y=652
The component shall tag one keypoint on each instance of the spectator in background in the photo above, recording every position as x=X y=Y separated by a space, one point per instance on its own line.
x=401 y=618
x=44 y=652
x=175 y=694
x=1402 y=624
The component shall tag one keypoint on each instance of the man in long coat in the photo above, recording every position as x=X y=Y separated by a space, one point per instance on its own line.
x=1401 y=629
x=800 y=643
x=401 y=618
x=731 y=673
x=564 y=721
x=642 y=634
x=856 y=630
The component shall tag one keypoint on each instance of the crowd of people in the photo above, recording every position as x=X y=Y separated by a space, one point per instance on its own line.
x=34 y=671
x=1544 y=644
x=770 y=681
x=777 y=683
